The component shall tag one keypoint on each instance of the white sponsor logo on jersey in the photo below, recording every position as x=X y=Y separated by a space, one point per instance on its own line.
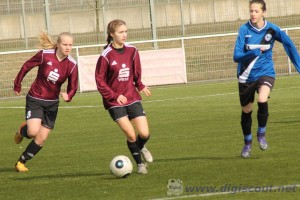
x=124 y=73
x=53 y=76
x=49 y=63
x=114 y=63
x=258 y=46
x=268 y=37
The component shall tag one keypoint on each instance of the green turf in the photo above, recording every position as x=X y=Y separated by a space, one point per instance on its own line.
x=196 y=137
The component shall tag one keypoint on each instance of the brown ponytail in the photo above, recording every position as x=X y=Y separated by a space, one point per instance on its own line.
x=108 y=40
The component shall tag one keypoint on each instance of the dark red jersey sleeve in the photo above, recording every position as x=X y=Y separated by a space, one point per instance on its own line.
x=36 y=60
x=72 y=83
x=101 y=79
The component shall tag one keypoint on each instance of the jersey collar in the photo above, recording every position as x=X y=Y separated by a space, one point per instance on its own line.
x=257 y=28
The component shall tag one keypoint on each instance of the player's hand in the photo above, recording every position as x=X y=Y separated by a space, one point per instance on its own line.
x=263 y=49
x=146 y=91
x=17 y=93
x=64 y=96
x=122 y=99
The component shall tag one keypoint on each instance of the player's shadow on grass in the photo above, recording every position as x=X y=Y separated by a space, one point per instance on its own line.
x=106 y=176
x=8 y=169
x=233 y=157
x=61 y=176
x=284 y=122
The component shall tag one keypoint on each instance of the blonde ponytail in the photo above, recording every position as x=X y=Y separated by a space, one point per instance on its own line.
x=46 y=41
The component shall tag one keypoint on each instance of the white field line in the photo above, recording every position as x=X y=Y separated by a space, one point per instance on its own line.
x=223 y=193
x=95 y=93
x=154 y=101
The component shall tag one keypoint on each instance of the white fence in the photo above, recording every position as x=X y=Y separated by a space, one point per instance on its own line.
x=207 y=57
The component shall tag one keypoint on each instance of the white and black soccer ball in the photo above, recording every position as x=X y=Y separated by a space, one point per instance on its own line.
x=121 y=166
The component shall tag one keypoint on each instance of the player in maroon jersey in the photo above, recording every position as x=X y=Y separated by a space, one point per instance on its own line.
x=118 y=79
x=55 y=66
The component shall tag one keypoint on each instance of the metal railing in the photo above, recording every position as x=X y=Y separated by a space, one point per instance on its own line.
x=207 y=57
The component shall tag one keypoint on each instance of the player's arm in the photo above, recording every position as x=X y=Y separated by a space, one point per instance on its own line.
x=289 y=48
x=27 y=66
x=72 y=85
x=100 y=77
x=240 y=55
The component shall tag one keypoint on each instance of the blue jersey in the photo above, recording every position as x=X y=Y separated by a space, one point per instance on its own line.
x=252 y=63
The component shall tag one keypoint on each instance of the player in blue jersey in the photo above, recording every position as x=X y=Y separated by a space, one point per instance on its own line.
x=255 y=71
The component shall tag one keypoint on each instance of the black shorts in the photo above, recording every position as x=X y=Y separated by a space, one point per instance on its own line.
x=247 y=90
x=41 y=109
x=132 y=111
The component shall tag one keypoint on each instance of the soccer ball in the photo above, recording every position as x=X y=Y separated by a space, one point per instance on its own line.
x=121 y=166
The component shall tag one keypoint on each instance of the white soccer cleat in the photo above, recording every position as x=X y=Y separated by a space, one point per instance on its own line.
x=142 y=168
x=147 y=155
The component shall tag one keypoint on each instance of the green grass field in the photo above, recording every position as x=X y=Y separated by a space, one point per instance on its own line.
x=196 y=137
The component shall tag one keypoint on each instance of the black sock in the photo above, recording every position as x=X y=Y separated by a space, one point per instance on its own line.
x=135 y=151
x=31 y=150
x=246 y=123
x=262 y=114
x=24 y=131
x=141 y=142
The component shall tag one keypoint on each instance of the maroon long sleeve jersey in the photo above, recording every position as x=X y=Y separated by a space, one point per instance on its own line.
x=119 y=74
x=51 y=74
